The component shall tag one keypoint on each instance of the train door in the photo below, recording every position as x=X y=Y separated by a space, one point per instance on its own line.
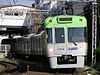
x=59 y=40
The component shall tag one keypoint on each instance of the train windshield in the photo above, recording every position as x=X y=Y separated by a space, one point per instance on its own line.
x=77 y=34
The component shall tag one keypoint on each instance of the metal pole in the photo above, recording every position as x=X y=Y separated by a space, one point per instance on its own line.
x=94 y=30
x=27 y=69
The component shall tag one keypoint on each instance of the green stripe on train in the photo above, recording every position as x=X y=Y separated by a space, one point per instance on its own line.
x=66 y=21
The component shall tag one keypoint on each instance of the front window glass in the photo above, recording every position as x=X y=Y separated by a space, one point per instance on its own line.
x=59 y=35
x=49 y=33
x=76 y=34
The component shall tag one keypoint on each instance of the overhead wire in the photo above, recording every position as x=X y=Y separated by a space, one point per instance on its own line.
x=9 y=2
x=15 y=1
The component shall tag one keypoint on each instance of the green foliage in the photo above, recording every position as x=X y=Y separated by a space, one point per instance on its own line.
x=97 y=49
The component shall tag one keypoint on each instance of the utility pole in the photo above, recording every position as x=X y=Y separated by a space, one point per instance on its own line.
x=94 y=30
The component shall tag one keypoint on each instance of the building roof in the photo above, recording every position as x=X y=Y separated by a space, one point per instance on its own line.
x=4 y=6
x=18 y=7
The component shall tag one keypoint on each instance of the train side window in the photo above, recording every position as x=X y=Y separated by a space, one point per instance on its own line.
x=85 y=34
x=59 y=35
x=49 y=32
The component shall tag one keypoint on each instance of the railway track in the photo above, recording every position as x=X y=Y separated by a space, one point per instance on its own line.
x=35 y=68
x=12 y=68
x=8 y=67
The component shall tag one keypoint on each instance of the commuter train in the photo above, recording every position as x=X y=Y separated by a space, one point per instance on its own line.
x=66 y=42
x=63 y=41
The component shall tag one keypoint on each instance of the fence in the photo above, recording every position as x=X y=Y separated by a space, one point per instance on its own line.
x=4 y=49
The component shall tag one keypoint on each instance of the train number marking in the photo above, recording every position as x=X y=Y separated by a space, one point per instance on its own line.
x=60 y=48
x=73 y=48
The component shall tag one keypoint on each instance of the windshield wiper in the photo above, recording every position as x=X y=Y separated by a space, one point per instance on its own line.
x=74 y=42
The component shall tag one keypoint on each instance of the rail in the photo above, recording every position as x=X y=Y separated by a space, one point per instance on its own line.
x=8 y=67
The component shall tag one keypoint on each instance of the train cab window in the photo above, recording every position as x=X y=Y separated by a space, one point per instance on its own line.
x=76 y=34
x=59 y=35
x=49 y=32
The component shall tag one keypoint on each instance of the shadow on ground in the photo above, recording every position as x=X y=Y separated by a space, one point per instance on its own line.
x=41 y=66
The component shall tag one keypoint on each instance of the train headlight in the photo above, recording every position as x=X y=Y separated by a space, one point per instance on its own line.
x=51 y=49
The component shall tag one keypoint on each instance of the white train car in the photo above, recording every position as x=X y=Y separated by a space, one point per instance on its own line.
x=67 y=43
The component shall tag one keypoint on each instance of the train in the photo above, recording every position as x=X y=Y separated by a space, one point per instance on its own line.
x=67 y=42
x=63 y=41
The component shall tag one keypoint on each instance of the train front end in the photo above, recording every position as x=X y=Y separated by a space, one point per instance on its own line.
x=66 y=41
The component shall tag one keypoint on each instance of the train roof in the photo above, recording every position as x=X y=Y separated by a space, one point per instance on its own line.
x=66 y=21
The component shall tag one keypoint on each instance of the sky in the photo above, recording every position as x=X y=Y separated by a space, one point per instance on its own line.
x=21 y=2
